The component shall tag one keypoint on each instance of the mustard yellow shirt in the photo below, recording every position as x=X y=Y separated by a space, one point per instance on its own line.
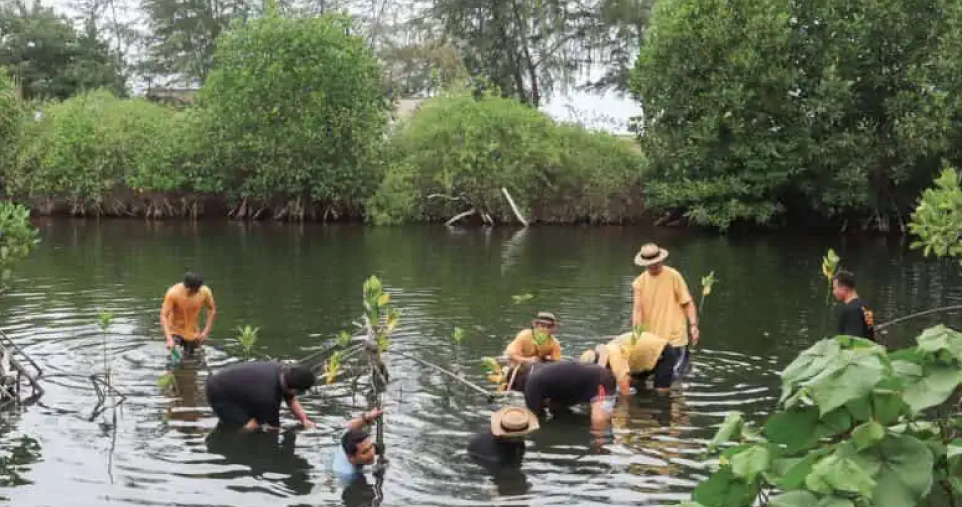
x=524 y=345
x=625 y=357
x=660 y=299
x=183 y=310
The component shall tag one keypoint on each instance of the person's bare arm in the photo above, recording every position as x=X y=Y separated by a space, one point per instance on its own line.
x=299 y=413
x=513 y=351
x=692 y=314
x=165 y=310
x=211 y=315
x=600 y=416
x=556 y=351
x=368 y=418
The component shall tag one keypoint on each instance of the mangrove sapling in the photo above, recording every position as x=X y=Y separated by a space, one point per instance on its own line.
x=458 y=337
x=830 y=266
x=247 y=338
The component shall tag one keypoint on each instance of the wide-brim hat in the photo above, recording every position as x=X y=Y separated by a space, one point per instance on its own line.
x=650 y=254
x=597 y=355
x=545 y=317
x=513 y=421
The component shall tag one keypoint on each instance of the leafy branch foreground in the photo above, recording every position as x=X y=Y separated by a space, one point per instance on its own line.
x=856 y=425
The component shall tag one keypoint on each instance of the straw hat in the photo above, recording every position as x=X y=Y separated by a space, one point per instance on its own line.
x=598 y=355
x=546 y=317
x=513 y=421
x=650 y=254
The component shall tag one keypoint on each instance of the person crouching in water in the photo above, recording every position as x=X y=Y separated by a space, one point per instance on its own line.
x=560 y=385
x=249 y=395
x=502 y=444
x=633 y=358
x=536 y=344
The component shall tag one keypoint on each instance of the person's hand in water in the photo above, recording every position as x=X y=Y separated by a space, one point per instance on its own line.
x=308 y=425
x=372 y=416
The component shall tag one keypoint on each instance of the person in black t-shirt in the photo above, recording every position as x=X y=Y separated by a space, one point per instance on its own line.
x=503 y=443
x=249 y=394
x=855 y=318
x=560 y=385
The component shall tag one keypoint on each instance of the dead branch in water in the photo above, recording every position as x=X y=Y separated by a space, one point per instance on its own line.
x=514 y=207
x=918 y=314
x=459 y=216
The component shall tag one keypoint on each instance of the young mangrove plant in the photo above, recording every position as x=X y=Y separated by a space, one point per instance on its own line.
x=830 y=263
x=856 y=425
x=104 y=319
x=458 y=337
x=521 y=298
x=707 y=282
x=247 y=338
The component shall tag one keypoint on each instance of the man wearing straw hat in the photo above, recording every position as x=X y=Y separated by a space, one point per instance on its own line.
x=663 y=306
x=502 y=444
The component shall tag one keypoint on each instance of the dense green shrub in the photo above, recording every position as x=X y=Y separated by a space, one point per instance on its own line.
x=456 y=153
x=17 y=238
x=757 y=110
x=93 y=144
x=293 y=111
x=10 y=120
x=856 y=425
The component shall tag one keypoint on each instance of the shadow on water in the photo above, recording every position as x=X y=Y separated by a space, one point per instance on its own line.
x=301 y=285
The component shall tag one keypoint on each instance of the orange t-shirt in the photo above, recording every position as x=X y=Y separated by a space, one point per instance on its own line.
x=525 y=346
x=183 y=310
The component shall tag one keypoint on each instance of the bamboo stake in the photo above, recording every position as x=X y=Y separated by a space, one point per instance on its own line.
x=451 y=374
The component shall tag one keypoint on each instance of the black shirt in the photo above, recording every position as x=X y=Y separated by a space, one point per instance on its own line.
x=565 y=383
x=491 y=450
x=253 y=387
x=856 y=319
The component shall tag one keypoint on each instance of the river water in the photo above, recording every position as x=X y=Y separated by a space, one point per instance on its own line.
x=301 y=285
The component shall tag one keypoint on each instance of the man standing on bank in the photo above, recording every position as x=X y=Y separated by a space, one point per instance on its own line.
x=249 y=394
x=855 y=319
x=663 y=305
x=180 y=313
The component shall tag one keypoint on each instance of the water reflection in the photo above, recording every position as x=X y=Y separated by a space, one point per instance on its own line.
x=262 y=454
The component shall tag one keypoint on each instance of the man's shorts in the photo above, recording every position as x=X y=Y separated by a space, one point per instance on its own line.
x=189 y=346
x=664 y=371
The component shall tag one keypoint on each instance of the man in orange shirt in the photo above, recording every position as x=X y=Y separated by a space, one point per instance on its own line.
x=663 y=306
x=181 y=311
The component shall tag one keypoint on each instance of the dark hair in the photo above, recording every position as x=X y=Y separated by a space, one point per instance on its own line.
x=845 y=279
x=299 y=378
x=352 y=439
x=193 y=281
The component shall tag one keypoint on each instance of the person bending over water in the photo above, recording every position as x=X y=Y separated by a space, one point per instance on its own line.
x=249 y=394
x=180 y=312
x=560 y=385
x=632 y=359
x=502 y=444
x=536 y=344
x=357 y=449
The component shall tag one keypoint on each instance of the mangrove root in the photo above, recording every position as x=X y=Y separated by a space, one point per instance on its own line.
x=459 y=216
x=514 y=207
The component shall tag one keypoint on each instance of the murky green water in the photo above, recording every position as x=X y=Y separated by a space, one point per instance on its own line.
x=302 y=284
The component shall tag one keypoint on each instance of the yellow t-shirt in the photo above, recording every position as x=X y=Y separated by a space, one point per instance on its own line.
x=183 y=310
x=661 y=299
x=524 y=345
x=626 y=358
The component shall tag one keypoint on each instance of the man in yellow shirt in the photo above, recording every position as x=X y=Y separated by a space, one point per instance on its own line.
x=180 y=313
x=663 y=305
x=633 y=358
x=536 y=344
